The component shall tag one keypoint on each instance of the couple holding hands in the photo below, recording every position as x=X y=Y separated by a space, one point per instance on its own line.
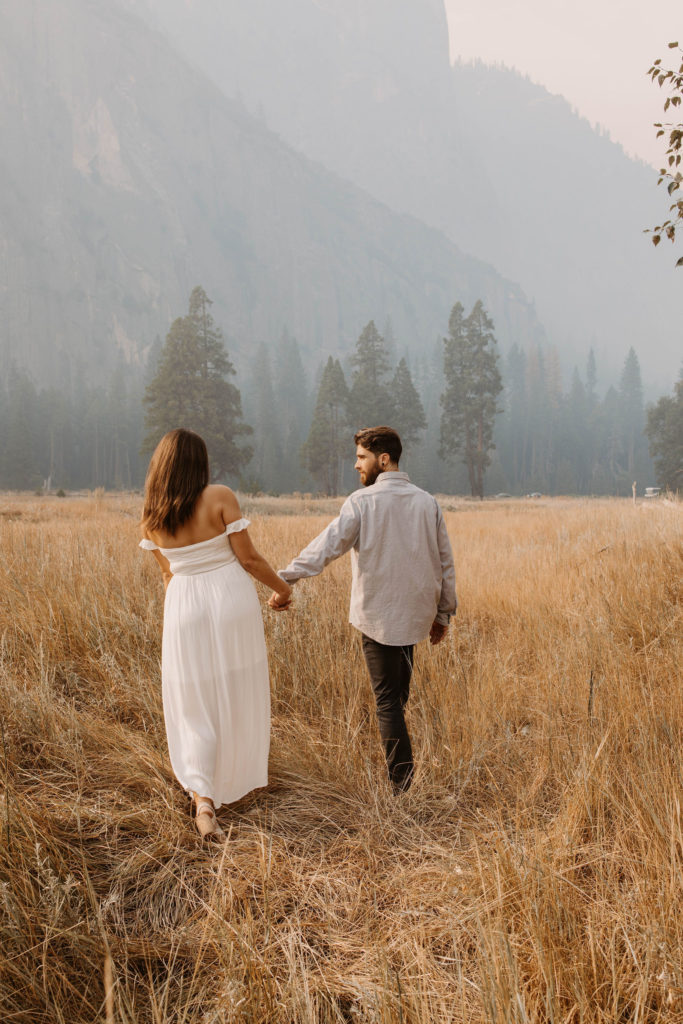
x=214 y=665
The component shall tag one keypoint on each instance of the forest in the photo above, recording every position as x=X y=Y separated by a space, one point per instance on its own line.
x=283 y=426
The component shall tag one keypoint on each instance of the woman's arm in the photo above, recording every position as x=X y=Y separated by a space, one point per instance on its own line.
x=165 y=567
x=164 y=563
x=245 y=552
x=256 y=565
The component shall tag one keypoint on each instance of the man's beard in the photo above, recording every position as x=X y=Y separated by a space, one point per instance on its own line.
x=372 y=474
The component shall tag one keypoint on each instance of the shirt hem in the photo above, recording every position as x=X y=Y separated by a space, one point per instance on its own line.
x=381 y=638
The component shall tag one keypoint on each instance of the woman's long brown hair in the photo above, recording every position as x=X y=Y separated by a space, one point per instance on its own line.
x=178 y=473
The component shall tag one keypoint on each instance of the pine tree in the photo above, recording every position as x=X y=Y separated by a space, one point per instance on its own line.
x=370 y=399
x=266 y=469
x=473 y=384
x=190 y=389
x=609 y=470
x=294 y=407
x=665 y=433
x=328 y=438
x=409 y=417
x=389 y=339
x=571 y=471
x=510 y=429
x=631 y=413
x=591 y=381
x=538 y=421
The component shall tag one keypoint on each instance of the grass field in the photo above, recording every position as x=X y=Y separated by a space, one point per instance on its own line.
x=534 y=872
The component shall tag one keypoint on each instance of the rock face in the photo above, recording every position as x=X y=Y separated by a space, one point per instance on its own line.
x=363 y=86
x=126 y=178
x=506 y=170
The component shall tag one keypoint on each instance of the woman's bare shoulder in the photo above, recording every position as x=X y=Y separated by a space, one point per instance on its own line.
x=218 y=496
x=218 y=493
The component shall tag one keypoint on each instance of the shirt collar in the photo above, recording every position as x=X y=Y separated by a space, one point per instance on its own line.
x=396 y=474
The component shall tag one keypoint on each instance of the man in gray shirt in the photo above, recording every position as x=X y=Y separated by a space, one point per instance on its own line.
x=403 y=587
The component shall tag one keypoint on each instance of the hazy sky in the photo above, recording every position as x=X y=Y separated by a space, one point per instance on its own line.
x=594 y=52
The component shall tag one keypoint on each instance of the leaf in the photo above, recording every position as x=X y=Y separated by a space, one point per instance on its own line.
x=679 y=263
x=673 y=46
x=672 y=186
x=656 y=239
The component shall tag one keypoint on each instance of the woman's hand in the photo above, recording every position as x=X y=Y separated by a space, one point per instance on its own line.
x=280 y=602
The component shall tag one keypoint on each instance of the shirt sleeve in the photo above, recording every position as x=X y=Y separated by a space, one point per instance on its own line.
x=448 y=601
x=148 y=545
x=338 y=538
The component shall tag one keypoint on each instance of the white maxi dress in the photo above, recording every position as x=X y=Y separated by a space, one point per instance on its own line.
x=214 y=671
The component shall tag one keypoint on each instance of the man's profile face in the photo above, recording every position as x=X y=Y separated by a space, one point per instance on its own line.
x=368 y=465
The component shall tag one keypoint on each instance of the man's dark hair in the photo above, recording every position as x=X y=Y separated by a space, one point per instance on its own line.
x=379 y=440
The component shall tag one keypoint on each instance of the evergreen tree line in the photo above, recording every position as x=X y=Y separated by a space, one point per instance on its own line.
x=469 y=421
x=71 y=436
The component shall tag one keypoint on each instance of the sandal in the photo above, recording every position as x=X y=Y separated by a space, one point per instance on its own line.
x=206 y=821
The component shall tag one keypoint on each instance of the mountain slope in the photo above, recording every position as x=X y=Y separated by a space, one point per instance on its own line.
x=508 y=171
x=127 y=178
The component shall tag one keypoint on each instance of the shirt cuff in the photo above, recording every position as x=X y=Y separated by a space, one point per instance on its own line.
x=443 y=618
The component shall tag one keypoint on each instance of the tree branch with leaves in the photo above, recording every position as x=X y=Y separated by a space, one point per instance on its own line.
x=671 y=174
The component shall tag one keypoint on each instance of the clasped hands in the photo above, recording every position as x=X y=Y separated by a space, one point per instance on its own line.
x=280 y=602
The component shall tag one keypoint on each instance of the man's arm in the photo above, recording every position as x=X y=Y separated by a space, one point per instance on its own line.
x=335 y=540
x=448 y=601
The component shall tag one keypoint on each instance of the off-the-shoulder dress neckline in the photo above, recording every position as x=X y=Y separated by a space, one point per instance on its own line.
x=235 y=527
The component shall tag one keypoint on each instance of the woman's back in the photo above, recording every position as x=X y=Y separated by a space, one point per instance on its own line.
x=215 y=508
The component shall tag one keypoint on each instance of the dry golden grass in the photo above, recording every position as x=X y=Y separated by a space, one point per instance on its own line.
x=534 y=872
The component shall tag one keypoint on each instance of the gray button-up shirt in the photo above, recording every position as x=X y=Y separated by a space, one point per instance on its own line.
x=401 y=559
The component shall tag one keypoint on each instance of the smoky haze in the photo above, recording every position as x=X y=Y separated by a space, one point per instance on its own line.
x=314 y=166
x=508 y=171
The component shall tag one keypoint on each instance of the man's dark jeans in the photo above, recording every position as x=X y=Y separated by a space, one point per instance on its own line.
x=390 y=670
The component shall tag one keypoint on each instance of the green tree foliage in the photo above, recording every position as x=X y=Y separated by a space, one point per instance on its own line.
x=265 y=469
x=294 y=409
x=664 y=430
x=509 y=427
x=671 y=173
x=591 y=381
x=473 y=383
x=427 y=469
x=277 y=402
x=371 y=402
x=328 y=438
x=409 y=416
x=191 y=389
x=631 y=417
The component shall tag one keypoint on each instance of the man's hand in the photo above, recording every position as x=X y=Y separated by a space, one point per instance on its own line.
x=437 y=632
x=279 y=603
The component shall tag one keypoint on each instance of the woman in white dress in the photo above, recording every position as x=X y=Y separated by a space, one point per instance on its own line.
x=214 y=668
